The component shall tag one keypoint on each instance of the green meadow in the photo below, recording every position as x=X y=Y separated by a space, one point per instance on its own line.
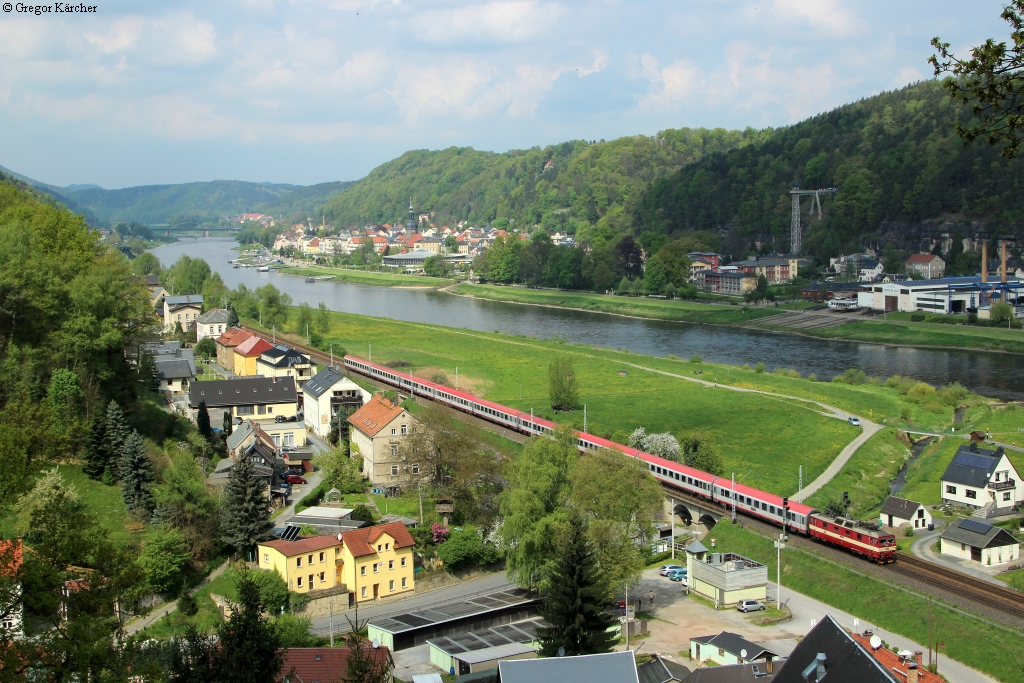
x=361 y=277
x=866 y=476
x=763 y=438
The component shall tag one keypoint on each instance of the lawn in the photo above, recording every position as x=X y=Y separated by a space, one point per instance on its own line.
x=362 y=277
x=972 y=641
x=208 y=615
x=1014 y=579
x=926 y=334
x=867 y=475
x=1006 y=423
x=924 y=476
x=762 y=439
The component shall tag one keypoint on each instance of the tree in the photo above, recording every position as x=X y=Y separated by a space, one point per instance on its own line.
x=449 y=453
x=228 y=425
x=304 y=322
x=250 y=646
x=574 y=607
x=625 y=286
x=891 y=261
x=533 y=507
x=293 y=631
x=203 y=421
x=363 y=513
x=436 y=266
x=191 y=657
x=206 y=347
x=163 y=558
x=991 y=82
x=1001 y=312
x=97 y=458
x=663 y=445
x=146 y=264
x=340 y=471
x=273 y=305
x=245 y=515
x=232 y=316
x=465 y=549
x=363 y=664
x=700 y=452
x=339 y=428
x=136 y=474
x=563 y=386
x=323 y=319
x=117 y=437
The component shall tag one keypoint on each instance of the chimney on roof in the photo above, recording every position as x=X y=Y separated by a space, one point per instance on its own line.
x=820 y=661
x=912 y=673
x=974 y=447
x=984 y=262
x=919 y=657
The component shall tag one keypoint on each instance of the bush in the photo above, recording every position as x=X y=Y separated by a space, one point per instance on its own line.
x=786 y=372
x=163 y=557
x=953 y=394
x=695 y=358
x=465 y=549
x=656 y=558
x=917 y=318
x=852 y=376
x=908 y=531
x=921 y=392
x=293 y=631
x=363 y=513
x=273 y=591
x=905 y=413
x=187 y=604
x=206 y=348
x=812 y=377
x=759 y=368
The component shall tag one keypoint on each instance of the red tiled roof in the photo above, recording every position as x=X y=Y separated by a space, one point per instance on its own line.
x=315 y=242
x=920 y=258
x=374 y=416
x=894 y=663
x=253 y=346
x=324 y=664
x=233 y=337
x=10 y=556
x=306 y=545
x=360 y=542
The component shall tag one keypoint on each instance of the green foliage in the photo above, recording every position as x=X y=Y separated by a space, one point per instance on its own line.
x=249 y=643
x=436 y=266
x=323 y=319
x=574 y=608
x=563 y=385
x=340 y=471
x=465 y=549
x=187 y=604
x=206 y=348
x=186 y=276
x=135 y=470
x=245 y=512
x=1001 y=312
x=851 y=376
x=759 y=368
x=272 y=306
x=97 y=457
x=893 y=156
x=163 y=558
x=273 y=591
x=304 y=321
x=293 y=631
x=203 y=421
x=185 y=504
x=700 y=451
x=363 y=513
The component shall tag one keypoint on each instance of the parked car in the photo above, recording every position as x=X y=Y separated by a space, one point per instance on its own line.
x=854 y=421
x=750 y=606
x=678 y=575
x=295 y=479
x=667 y=569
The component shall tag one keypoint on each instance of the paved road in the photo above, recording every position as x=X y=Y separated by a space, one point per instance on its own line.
x=869 y=429
x=453 y=593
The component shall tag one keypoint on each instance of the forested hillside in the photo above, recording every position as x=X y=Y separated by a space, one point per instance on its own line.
x=894 y=157
x=585 y=183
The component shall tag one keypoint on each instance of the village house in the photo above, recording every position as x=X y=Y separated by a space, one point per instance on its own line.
x=212 y=323
x=731 y=282
x=10 y=565
x=327 y=664
x=776 y=268
x=174 y=366
x=184 y=309
x=325 y=394
x=258 y=398
x=246 y=354
x=284 y=361
x=226 y=344
x=727 y=648
x=980 y=477
x=898 y=511
x=971 y=539
x=377 y=431
x=275 y=434
x=870 y=270
x=925 y=266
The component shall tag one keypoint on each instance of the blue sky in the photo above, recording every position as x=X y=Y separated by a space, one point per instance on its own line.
x=306 y=91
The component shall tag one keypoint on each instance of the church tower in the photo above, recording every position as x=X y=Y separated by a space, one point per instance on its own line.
x=411 y=225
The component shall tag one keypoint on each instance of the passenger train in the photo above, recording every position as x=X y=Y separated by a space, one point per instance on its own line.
x=858 y=538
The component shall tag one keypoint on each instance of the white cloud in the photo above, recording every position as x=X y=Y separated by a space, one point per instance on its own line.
x=504 y=21
x=827 y=14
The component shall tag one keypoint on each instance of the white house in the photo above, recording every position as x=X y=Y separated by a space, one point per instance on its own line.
x=327 y=392
x=212 y=323
x=870 y=270
x=970 y=539
x=979 y=477
x=184 y=309
x=898 y=511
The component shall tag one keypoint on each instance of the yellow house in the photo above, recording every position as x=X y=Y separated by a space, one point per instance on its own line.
x=373 y=562
x=246 y=355
x=184 y=309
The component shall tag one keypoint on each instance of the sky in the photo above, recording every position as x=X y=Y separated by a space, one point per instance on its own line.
x=308 y=91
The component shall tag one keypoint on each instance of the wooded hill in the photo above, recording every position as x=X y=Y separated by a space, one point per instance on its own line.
x=570 y=186
x=894 y=157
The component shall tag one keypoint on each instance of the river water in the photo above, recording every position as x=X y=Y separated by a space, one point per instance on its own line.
x=990 y=374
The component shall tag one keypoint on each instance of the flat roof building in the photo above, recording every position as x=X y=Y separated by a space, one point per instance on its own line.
x=477 y=651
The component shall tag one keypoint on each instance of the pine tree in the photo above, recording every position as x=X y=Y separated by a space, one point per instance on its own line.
x=232 y=316
x=574 y=606
x=249 y=644
x=136 y=474
x=96 y=456
x=365 y=665
x=117 y=437
x=203 y=421
x=245 y=514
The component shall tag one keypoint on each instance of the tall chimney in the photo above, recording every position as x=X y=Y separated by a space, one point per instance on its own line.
x=984 y=261
x=919 y=657
x=1002 y=261
x=820 y=659
x=912 y=673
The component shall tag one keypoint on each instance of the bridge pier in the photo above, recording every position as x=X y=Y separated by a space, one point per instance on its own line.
x=685 y=511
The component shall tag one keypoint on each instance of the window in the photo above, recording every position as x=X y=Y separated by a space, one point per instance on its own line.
x=970 y=493
x=403 y=582
x=391 y=585
x=394 y=470
x=1007 y=495
x=405 y=430
x=394 y=431
x=403 y=561
x=322 y=577
x=394 y=450
x=337 y=551
x=298 y=561
x=277 y=440
x=364 y=591
x=376 y=567
x=391 y=564
x=266 y=558
x=321 y=557
x=270 y=410
x=299 y=581
x=310 y=582
x=289 y=439
x=950 y=489
x=379 y=546
x=261 y=409
x=244 y=410
x=416 y=468
x=310 y=559
x=721 y=652
x=362 y=570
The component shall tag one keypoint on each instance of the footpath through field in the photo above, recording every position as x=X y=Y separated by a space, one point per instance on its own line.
x=869 y=428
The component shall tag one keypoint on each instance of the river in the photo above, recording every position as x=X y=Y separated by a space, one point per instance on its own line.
x=990 y=374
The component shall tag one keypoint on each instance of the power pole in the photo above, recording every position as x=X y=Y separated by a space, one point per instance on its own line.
x=795 y=231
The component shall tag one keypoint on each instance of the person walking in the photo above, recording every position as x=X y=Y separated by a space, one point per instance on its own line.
x=651 y=596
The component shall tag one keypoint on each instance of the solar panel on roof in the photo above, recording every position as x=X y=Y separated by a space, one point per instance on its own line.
x=975 y=526
x=973 y=460
x=410 y=619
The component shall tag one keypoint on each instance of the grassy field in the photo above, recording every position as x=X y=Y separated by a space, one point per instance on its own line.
x=360 y=277
x=208 y=615
x=867 y=475
x=762 y=439
x=1005 y=423
x=924 y=478
x=969 y=640
x=880 y=331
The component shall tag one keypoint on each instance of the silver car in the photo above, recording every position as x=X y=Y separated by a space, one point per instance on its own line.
x=750 y=606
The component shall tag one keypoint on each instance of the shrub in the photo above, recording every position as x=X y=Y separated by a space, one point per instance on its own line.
x=206 y=348
x=163 y=557
x=934 y=407
x=439 y=378
x=362 y=513
x=695 y=358
x=921 y=391
x=293 y=631
x=786 y=372
x=465 y=549
x=953 y=394
x=187 y=604
x=905 y=413
x=908 y=531
x=439 y=533
x=759 y=368
x=812 y=377
x=917 y=318
x=851 y=376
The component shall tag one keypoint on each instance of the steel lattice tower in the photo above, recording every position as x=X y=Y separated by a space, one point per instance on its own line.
x=795 y=230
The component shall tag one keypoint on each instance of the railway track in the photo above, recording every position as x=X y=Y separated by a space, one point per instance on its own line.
x=971 y=587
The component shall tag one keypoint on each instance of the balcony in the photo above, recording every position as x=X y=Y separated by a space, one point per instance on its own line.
x=1002 y=485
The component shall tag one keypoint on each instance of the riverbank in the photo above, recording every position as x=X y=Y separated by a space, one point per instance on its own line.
x=359 y=277
x=886 y=332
